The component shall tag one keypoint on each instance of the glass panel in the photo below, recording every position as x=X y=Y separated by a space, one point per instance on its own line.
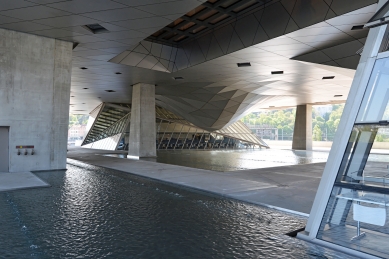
x=186 y=26
x=158 y=33
x=374 y=106
x=207 y=15
x=195 y=11
x=359 y=167
x=228 y=3
x=180 y=38
x=199 y=29
x=169 y=35
x=244 y=6
x=175 y=23
x=356 y=213
x=174 y=136
x=357 y=219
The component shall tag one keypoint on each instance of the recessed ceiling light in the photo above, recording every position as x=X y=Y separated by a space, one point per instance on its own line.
x=277 y=72
x=244 y=64
x=338 y=95
x=328 y=77
x=83 y=68
x=118 y=73
x=110 y=91
x=178 y=78
x=357 y=27
x=85 y=88
x=95 y=28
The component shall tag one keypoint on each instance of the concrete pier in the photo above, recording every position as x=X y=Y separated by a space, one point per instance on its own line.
x=302 y=134
x=142 y=127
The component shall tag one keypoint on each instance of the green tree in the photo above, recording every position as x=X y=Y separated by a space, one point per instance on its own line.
x=317 y=133
x=80 y=119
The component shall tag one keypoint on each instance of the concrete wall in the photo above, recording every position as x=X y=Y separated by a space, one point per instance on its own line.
x=35 y=80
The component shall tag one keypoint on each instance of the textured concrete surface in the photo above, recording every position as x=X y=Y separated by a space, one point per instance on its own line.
x=20 y=180
x=302 y=134
x=288 y=188
x=34 y=96
x=142 y=127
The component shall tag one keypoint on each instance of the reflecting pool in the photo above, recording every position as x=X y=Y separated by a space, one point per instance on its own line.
x=91 y=212
x=233 y=160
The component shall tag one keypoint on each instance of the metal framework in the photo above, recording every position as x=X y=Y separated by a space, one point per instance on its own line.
x=111 y=123
x=202 y=19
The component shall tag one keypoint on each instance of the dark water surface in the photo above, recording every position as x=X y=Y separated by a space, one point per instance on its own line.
x=91 y=212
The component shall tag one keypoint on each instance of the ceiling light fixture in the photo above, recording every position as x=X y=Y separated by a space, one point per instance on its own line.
x=338 y=95
x=328 y=77
x=277 y=72
x=357 y=27
x=95 y=28
x=245 y=64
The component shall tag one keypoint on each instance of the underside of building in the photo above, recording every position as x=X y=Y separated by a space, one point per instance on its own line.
x=181 y=74
x=109 y=128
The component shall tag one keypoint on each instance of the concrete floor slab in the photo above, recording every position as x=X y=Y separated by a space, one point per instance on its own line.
x=288 y=188
x=20 y=180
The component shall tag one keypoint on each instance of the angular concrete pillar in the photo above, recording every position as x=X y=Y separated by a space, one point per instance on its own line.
x=142 y=126
x=302 y=134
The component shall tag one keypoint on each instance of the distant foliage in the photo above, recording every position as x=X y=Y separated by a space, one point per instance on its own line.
x=324 y=125
x=281 y=119
x=78 y=120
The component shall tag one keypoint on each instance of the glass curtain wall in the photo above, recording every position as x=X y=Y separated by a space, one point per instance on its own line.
x=356 y=215
x=173 y=132
x=174 y=135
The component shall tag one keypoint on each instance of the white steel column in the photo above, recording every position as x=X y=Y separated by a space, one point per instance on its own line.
x=142 y=141
x=351 y=108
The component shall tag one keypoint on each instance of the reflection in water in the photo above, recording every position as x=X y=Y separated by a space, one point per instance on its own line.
x=232 y=160
x=91 y=212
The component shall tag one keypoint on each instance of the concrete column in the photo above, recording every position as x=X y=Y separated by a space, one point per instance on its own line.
x=142 y=126
x=34 y=96
x=302 y=134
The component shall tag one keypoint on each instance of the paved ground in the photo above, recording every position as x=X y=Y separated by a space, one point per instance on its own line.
x=289 y=188
x=21 y=180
